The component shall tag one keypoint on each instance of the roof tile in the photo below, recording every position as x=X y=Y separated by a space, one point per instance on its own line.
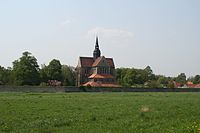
x=100 y=76
x=89 y=61
x=99 y=84
x=86 y=61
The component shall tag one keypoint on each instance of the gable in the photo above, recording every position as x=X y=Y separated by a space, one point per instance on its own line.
x=79 y=63
x=110 y=62
x=101 y=61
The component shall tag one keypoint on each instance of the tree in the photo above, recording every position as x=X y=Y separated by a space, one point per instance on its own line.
x=170 y=84
x=153 y=84
x=4 y=76
x=150 y=75
x=26 y=70
x=181 y=78
x=120 y=73
x=141 y=76
x=196 y=79
x=54 y=70
x=43 y=74
x=163 y=81
x=130 y=77
x=2 y=71
x=68 y=75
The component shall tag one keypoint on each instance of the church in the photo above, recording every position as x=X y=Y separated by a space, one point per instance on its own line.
x=96 y=71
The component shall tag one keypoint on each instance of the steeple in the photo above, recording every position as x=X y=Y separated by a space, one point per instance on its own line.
x=97 y=52
x=97 y=43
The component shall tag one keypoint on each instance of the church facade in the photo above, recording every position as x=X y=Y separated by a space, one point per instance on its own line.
x=96 y=71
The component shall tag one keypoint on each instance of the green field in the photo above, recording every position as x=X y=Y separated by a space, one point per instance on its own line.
x=100 y=112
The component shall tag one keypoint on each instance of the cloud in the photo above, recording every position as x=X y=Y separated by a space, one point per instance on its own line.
x=112 y=34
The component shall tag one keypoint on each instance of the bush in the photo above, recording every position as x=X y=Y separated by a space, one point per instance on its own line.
x=43 y=84
x=170 y=85
x=153 y=84
x=1 y=83
x=82 y=88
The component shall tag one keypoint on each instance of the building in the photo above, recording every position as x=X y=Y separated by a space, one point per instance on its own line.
x=96 y=71
x=189 y=84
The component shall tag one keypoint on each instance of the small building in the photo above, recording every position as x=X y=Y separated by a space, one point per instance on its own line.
x=96 y=71
x=189 y=84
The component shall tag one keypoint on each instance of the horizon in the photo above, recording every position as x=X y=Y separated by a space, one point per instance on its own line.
x=161 y=34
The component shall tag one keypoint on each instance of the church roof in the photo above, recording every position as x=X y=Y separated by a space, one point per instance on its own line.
x=97 y=61
x=100 y=76
x=99 y=84
x=89 y=61
x=86 y=61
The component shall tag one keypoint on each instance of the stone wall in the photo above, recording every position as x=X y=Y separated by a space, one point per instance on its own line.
x=76 y=89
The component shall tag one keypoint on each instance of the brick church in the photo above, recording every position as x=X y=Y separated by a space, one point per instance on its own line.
x=96 y=71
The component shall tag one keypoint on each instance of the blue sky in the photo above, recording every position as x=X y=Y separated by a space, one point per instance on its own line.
x=164 y=34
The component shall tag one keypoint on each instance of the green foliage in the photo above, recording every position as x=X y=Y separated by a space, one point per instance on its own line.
x=153 y=84
x=26 y=70
x=6 y=76
x=68 y=75
x=196 y=79
x=150 y=75
x=43 y=74
x=131 y=77
x=120 y=74
x=99 y=112
x=54 y=70
x=181 y=78
x=43 y=84
x=170 y=84
x=163 y=81
x=83 y=88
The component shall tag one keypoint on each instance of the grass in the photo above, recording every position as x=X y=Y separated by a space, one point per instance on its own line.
x=100 y=112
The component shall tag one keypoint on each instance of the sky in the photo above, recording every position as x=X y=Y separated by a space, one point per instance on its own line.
x=164 y=34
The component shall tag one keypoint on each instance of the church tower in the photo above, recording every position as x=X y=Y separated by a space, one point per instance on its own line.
x=97 y=52
x=96 y=71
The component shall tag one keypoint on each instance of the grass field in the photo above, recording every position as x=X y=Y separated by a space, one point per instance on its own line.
x=100 y=112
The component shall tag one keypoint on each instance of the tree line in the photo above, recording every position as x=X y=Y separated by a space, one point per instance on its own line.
x=131 y=77
x=26 y=71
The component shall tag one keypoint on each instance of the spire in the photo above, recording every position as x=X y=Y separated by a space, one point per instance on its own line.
x=97 y=52
x=97 y=42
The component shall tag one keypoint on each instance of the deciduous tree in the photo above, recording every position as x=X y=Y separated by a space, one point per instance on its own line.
x=26 y=70
x=68 y=74
x=181 y=78
x=54 y=70
x=196 y=79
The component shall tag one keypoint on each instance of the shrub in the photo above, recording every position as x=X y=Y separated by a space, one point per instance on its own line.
x=82 y=88
x=43 y=84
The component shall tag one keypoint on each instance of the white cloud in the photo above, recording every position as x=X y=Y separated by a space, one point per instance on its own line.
x=114 y=35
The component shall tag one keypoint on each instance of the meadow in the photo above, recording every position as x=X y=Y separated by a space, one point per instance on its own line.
x=134 y=112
